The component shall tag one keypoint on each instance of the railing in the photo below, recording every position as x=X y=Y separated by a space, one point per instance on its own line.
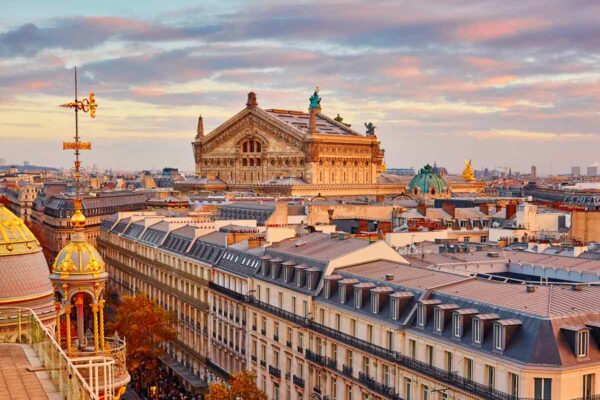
x=376 y=386
x=276 y=372
x=316 y=358
x=158 y=284
x=347 y=370
x=227 y=292
x=442 y=375
x=65 y=374
x=331 y=363
x=217 y=369
x=298 y=381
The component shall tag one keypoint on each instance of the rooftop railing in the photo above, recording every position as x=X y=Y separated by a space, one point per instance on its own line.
x=74 y=378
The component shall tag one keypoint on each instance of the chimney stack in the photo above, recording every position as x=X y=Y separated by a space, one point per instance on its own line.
x=450 y=209
x=422 y=209
x=251 y=103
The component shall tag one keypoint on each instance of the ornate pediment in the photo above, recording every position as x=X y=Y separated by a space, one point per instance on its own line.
x=249 y=120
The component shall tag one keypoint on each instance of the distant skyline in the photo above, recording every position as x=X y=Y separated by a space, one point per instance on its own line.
x=506 y=84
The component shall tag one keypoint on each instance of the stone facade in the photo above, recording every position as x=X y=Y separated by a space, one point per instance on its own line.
x=263 y=146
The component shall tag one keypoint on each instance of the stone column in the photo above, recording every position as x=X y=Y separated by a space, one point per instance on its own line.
x=101 y=308
x=95 y=315
x=68 y=309
x=80 y=322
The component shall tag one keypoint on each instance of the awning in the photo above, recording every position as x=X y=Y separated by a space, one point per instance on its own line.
x=184 y=373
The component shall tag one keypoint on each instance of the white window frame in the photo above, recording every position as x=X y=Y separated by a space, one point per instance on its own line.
x=438 y=319
x=456 y=325
x=583 y=340
x=374 y=303
x=421 y=315
x=477 y=336
x=499 y=335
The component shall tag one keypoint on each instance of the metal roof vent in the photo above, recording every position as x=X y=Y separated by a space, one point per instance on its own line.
x=530 y=288
x=493 y=254
x=389 y=277
x=576 y=288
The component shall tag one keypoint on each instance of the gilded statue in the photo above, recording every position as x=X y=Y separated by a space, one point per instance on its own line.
x=468 y=174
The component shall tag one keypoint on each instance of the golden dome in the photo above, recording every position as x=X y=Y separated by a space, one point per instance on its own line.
x=78 y=219
x=15 y=236
x=78 y=258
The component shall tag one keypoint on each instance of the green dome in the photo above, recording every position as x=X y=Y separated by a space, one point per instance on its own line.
x=427 y=180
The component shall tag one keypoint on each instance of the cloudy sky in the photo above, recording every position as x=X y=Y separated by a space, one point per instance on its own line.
x=504 y=83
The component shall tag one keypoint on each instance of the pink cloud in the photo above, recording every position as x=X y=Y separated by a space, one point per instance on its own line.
x=486 y=63
x=34 y=85
x=491 y=30
x=500 y=80
x=147 y=91
x=404 y=67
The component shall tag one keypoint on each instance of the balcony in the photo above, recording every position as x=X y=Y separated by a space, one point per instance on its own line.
x=263 y=332
x=316 y=358
x=227 y=292
x=317 y=390
x=300 y=349
x=275 y=372
x=253 y=358
x=347 y=370
x=298 y=381
x=331 y=363
x=376 y=386
x=263 y=363
x=289 y=344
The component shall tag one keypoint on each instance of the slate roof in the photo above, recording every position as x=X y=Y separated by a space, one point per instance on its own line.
x=299 y=120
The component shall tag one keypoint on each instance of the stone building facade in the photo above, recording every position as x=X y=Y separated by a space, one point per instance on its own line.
x=264 y=146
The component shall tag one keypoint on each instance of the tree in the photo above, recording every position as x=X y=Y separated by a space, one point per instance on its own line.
x=242 y=386
x=145 y=325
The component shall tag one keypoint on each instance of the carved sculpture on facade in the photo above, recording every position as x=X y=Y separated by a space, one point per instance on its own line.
x=370 y=128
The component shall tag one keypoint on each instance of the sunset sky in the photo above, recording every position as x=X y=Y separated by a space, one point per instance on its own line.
x=504 y=83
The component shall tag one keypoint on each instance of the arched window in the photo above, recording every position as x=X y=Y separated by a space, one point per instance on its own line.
x=251 y=146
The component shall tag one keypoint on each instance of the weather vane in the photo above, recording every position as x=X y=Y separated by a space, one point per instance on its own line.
x=85 y=105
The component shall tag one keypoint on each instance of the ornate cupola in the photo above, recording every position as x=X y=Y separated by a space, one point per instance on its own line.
x=79 y=280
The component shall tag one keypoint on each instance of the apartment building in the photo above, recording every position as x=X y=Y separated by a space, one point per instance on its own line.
x=334 y=317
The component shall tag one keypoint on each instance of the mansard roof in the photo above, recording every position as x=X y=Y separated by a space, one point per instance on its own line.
x=299 y=120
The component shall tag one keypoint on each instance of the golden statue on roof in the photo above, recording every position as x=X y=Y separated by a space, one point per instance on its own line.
x=468 y=174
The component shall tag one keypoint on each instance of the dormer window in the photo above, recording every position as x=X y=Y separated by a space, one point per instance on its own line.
x=375 y=303
x=327 y=290
x=438 y=318
x=499 y=337
x=342 y=294
x=456 y=325
x=395 y=309
x=421 y=315
x=477 y=331
x=357 y=298
x=583 y=341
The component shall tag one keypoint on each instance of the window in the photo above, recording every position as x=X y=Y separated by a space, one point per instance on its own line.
x=468 y=369
x=421 y=317
x=583 y=338
x=357 y=298
x=305 y=308
x=389 y=340
x=365 y=365
x=348 y=392
x=294 y=304
x=476 y=331
x=456 y=325
x=498 y=337
x=429 y=354
x=322 y=315
x=395 y=309
x=437 y=319
x=448 y=361
x=483 y=239
x=425 y=392
x=513 y=381
x=333 y=389
x=490 y=376
x=338 y=322
x=280 y=300
x=349 y=359
x=542 y=388
x=407 y=389
x=375 y=303
x=342 y=294
x=412 y=348
x=353 y=327
x=588 y=386
x=370 y=333
x=386 y=375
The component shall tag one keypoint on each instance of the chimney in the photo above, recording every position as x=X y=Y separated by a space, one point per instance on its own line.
x=422 y=209
x=450 y=209
x=254 y=242
x=511 y=209
x=251 y=103
x=530 y=288
x=484 y=208
x=200 y=129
